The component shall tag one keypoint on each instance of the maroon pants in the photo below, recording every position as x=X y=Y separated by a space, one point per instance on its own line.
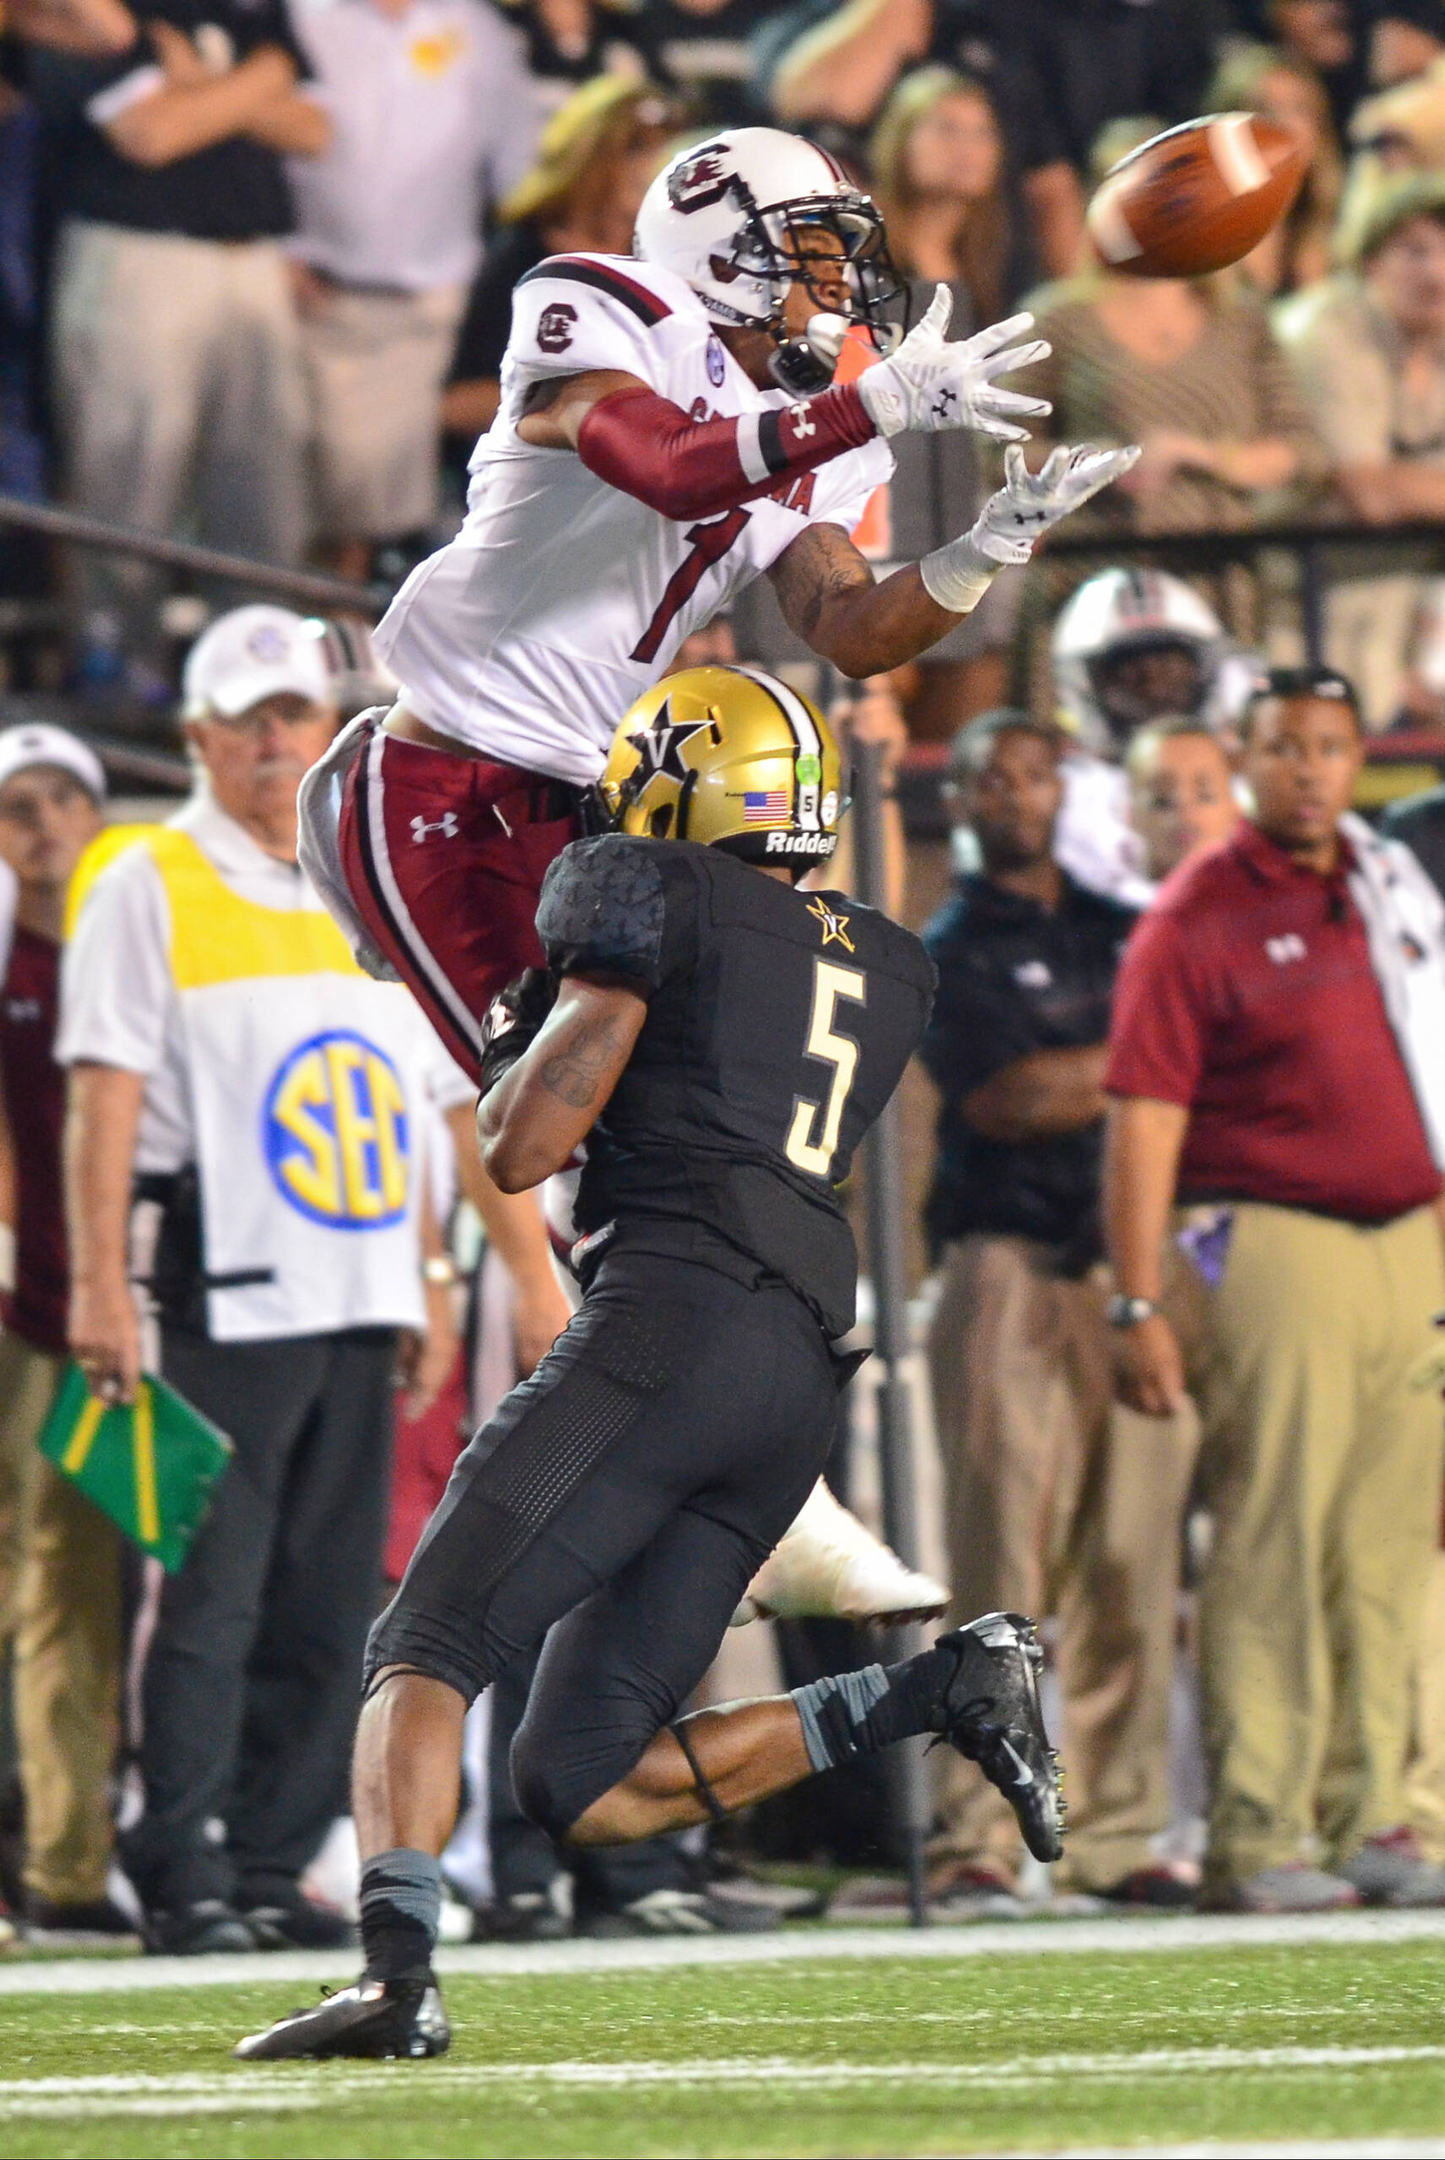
x=444 y=856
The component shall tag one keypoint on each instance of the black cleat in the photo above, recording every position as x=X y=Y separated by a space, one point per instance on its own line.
x=381 y=2019
x=989 y=1710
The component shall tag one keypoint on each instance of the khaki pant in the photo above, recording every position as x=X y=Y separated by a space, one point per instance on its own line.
x=27 y=1384
x=1323 y=1468
x=65 y=1600
x=375 y=365
x=1060 y=1501
x=179 y=391
x=1369 y=625
x=1425 y=1781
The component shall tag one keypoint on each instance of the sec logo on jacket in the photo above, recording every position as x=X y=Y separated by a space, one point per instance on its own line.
x=336 y=1135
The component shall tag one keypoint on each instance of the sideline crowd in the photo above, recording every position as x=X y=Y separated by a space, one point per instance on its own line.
x=1184 y=1215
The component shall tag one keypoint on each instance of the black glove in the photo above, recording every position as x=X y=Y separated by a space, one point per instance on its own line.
x=513 y=1022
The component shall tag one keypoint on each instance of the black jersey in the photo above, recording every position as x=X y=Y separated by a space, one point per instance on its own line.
x=778 y=1025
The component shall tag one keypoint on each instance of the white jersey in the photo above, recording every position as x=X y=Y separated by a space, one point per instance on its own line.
x=1093 y=837
x=561 y=599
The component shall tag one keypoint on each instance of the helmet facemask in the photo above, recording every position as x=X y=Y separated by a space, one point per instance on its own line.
x=773 y=251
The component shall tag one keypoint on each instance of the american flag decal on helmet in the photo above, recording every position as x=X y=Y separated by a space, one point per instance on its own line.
x=763 y=806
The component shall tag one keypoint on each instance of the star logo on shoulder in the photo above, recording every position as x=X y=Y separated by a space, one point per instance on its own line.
x=835 y=926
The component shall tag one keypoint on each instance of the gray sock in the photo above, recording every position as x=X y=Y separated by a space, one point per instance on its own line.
x=401 y=1905
x=834 y=1712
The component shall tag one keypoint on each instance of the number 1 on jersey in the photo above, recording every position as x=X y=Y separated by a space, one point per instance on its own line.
x=830 y=983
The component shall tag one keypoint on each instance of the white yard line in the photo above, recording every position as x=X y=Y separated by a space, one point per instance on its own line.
x=323 y=2085
x=83 y=1976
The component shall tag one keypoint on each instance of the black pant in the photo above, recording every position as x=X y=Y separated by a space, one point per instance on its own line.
x=250 y=1684
x=633 y=1485
x=525 y=1858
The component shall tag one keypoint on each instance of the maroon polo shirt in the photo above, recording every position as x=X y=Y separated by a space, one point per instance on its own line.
x=1246 y=996
x=34 y=1088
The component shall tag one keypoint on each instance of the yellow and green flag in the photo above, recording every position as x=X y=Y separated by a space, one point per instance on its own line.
x=149 y=1465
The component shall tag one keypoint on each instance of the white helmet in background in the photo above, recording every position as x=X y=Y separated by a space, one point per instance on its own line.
x=359 y=675
x=726 y=216
x=1116 y=615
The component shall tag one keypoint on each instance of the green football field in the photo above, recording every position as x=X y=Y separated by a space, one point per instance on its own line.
x=1235 y=2043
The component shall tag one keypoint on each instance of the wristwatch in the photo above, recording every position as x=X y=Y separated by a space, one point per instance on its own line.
x=1124 y=1311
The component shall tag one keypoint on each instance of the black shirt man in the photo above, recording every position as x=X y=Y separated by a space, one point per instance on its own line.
x=1036 y=1460
x=181 y=400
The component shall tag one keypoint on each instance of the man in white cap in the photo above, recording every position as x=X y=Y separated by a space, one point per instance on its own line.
x=64 y=1633
x=235 y=1075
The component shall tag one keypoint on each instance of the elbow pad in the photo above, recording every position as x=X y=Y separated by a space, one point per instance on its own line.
x=685 y=468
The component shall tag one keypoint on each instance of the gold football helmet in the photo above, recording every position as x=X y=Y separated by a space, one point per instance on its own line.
x=732 y=758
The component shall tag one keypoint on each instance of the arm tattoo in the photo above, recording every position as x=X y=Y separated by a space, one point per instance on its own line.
x=821 y=565
x=572 y=1075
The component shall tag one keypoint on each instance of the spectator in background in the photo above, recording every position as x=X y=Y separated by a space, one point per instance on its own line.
x=568 y=42
x=1268 y=80
x=1254 y=1067
x=597 y=155
x=1181 y=793
x=1419 y=822
x=59 y=1556
x=22 y=448
x=432 y=119
x=955 y=216
x=1130 y=648
x=1104 y=59
x=1188 y=368
x=178 y=375
x=1407 y=38
x=1056 y=1504
x=1321 y=34
x=825 y=66
x=701 y=51
x=940 y=169
x=227 y=1054
x=1368 y=350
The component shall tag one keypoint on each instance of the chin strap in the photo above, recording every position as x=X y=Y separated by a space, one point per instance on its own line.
x=705 y=1792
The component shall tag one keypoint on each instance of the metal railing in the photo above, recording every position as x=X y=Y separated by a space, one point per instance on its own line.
x=1309 y=542
x=311 y=586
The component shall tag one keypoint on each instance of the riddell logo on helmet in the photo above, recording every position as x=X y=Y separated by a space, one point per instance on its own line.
x=801 y=843
x=699 y=181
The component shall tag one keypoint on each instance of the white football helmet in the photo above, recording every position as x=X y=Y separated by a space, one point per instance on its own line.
x=726 y=216
x=1113 y=616
x=359 y=675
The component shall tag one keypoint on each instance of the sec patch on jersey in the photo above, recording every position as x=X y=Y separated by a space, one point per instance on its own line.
x=1196 y=198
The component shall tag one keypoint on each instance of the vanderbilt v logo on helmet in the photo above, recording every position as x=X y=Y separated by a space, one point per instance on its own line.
x=732 y=758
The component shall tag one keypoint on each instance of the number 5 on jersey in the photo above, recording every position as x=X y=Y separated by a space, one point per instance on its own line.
x=830 y=983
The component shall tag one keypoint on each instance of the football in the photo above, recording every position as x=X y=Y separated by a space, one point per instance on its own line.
x=1196 y=198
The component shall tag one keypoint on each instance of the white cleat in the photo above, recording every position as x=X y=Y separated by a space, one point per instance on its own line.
x=829 y=1567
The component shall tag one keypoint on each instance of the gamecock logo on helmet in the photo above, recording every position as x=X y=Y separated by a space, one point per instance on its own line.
x=702 y=179
x=554 y=326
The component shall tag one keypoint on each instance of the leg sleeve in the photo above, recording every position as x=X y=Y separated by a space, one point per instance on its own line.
x=620 y=1667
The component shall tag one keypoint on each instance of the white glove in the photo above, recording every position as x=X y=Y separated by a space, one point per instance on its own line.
x=929 y=385
x=1010 y=522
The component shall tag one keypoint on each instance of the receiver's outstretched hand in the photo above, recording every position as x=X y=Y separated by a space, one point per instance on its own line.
x=929 y=384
